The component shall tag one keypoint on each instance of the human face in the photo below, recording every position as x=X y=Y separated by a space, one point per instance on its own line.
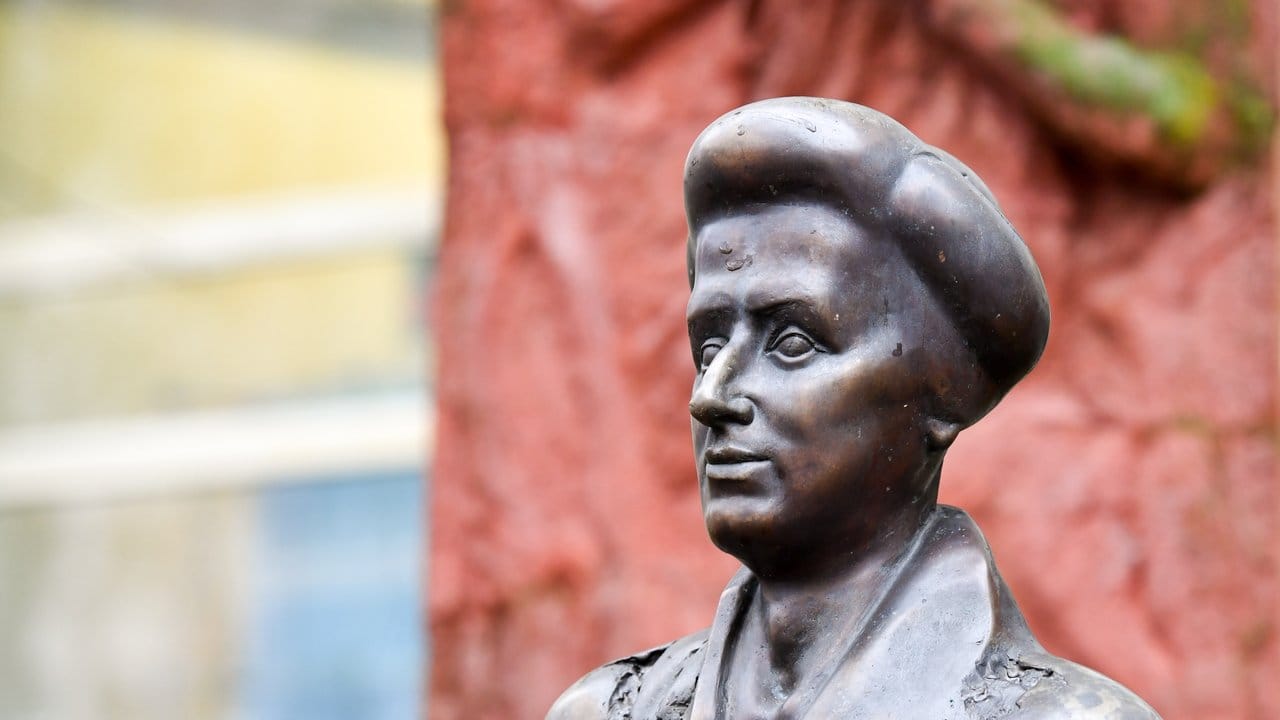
x=808 y=420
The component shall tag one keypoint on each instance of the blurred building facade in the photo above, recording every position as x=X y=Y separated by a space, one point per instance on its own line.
x=217 y=224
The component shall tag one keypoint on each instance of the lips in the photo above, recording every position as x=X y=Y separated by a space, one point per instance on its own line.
x=733 y=470
x=731 y=456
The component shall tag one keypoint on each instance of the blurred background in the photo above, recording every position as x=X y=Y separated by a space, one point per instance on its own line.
x=260 y=350
x=217 y=226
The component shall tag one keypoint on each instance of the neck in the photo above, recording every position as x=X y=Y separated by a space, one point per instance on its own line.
x=805 y=617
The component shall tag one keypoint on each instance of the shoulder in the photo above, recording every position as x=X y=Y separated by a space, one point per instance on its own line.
x=1044 y=687
x=612 y=690
x=588 y=699
x=1084 y=695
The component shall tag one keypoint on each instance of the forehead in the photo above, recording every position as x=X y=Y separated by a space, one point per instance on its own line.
x=806 y=252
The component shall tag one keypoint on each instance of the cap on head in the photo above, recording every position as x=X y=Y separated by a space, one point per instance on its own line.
x=851 y=158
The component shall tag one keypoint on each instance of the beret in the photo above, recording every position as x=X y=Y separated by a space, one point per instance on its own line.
x=799 y=150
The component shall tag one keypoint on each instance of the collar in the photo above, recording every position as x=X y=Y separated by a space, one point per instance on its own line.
x=935 y=620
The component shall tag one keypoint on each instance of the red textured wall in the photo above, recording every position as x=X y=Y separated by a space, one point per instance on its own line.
x=1128 y=487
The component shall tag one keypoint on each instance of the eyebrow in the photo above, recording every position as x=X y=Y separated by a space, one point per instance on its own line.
x=802 y=310
x=702 y=319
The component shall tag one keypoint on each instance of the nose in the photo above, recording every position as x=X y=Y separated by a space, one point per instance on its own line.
x=714 y=402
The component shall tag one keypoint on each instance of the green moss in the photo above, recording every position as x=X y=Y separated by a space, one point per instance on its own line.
x=1173 y=88
x=1253 y=116
x=1236 y=14
x=1192 y=425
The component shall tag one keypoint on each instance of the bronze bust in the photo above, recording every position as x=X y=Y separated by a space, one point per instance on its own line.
x=858 y=298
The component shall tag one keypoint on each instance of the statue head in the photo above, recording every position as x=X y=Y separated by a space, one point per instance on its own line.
x=858 y=298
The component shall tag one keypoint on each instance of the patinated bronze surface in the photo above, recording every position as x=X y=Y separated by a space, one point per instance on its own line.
x=858 y=299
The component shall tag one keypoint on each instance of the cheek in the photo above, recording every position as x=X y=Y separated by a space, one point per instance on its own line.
x=850 y=416
x=849 y=390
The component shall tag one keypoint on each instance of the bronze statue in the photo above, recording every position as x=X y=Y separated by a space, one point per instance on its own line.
x=858 y=299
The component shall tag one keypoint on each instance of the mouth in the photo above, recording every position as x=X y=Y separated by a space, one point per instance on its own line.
x=734 y=464
x=732 y=456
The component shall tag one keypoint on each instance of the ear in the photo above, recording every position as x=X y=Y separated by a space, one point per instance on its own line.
x=939 y=434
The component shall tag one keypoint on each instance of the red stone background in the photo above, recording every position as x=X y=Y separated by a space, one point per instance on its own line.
x=1128 y=487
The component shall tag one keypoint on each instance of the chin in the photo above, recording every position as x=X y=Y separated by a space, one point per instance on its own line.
x=738 y=524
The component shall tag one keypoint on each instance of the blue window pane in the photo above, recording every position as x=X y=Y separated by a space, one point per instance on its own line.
x=335 y=628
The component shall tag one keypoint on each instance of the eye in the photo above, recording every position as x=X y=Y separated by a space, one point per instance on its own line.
x=793 y=345
x=708 y=353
